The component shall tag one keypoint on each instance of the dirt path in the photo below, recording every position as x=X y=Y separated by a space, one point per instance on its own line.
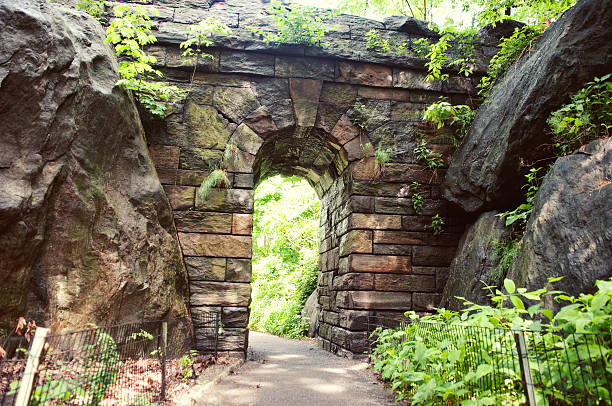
x=281 y=372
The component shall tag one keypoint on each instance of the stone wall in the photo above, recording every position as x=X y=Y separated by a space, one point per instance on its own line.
x=285 y=109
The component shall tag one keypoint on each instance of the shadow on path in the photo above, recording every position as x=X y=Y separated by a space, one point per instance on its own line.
x=282 y=372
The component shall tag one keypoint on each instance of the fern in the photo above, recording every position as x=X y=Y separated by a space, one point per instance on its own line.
x=213 y=179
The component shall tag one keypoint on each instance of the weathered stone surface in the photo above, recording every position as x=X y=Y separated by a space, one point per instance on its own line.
x=246 y=139
x=511 y=128
x=238 y=270
x=311 y=313
x=220 y=293
x=569 y=233
x=205 y=269
x=390 y=205
x=309 y=68
x=214 y=245
x=338 y=94
x=432 y=256
x=242 y=224
x=305 y=94
x=203 y=222
x=165 y=156
x=195 y=158
x=344 y=131
x=236 y=103
x=86 y=232
x=364 y=74
x=180 y=197
x=247 y=62
x=410 y=79
x=374 y=300
x=205 y=128
x=356 y=241
x=476 y=262
x=226 y=200
x=493 y=33
x=376 y=263
x=230 y=339
x=409 y=25
x=235 y=317
x=354 y=320
x=261 y=122
x=425 y=301
x=375 y=221
x=181 y=176
x=354 y=281
x=405 y=283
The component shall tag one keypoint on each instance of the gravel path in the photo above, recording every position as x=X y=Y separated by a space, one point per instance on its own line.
x=281 y=372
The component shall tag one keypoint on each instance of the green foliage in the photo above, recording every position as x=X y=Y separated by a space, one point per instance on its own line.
x=437 y=224
x=200 y=37
x=421 y=9
x=432 y=159
x=285 y=254
x=129 y=32
x=94 y=8
x=359 y=117
x=587 y=117
x=443 y=358
x=522 y=213
x=438 y=54
x=216 y=177
x=512 y=48
x=505 y=252
x=421 y=47
x=376 y=43
x=381 y=157
x=443 y=113
x=367 y=149
x=142 y=334
x=297 y=25
x=186 y=365
x=527 y=11
x=417 y=199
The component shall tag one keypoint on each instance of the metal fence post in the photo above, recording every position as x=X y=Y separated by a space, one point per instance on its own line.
x=25 y=388
x=521 y=347
x=216 y=332
x=164 y=348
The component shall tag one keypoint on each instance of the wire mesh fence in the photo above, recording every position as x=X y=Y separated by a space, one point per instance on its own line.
x=515 y=367
x=127 y=364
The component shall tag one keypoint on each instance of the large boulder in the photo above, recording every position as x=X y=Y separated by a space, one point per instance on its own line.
x=477 y=262
x=86 y=232
x=570 y=230
x=509 y=130
x=311 y=312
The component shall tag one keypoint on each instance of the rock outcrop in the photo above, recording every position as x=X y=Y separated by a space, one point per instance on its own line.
x=510 y=130
x=311 y=313
x=476 y=262
x=86 y=232
x=570 y=230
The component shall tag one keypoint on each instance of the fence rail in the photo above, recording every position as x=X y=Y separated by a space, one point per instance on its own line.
x=526 y=366
x=127 y=364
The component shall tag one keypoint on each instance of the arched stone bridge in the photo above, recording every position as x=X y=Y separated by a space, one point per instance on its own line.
x=286 y=111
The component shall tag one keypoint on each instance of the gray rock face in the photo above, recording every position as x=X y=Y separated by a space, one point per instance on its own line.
x=494 y=33
x=311 y=312
x=409 y=25
x=570 y=230
x=476 y=262
x=511 y=129
x=86 y=232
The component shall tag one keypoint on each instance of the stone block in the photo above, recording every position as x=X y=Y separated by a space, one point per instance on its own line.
x=328 y=116
x=305 y=94
x=226 y=200
x=394 y=205
x=339 y=94
x=426 y=270
x=416 y=223
x=405 y=283
x=364 y=74
x=378 y=188
x=238 y=270
x=415 y=80
x=205 y=128
x=392 y=249
x=236 y=103
x=379 y=263
x=203 y=222
x=165 y=156
x=426 y=301
x=324 y=301
x=374 y=300
x=354 y=281
x=220 y=294
x=205 y=269
x=246 y=139
x=215 y=245
x=355 y=320
x=183 y=177
x=196 y=158
x=374 y=221
x=383 y=93
x=243 y=180
x=246 y=62
x=261 y=122
x=180 y=197
x=433 y=256
x=235 y=317
x=442 y=274
x=402 y=237
x=242 y=224
x=344 y=131
x=330 y=317
x=356 y=241
x=407 y=111
x=232 y=339
x=309 y=68
x=241 y=162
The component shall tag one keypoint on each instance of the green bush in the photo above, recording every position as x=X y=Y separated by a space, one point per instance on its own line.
x=285 y=254
x=448 y=357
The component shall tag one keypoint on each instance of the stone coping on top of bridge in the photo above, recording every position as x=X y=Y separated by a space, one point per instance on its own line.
x=246 y=52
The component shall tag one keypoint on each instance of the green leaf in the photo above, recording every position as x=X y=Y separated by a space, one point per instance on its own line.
x=509 y=285
x=518 y=303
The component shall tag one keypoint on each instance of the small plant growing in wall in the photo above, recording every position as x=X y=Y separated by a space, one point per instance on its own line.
x=437 y=224
x=432 y=159
x=218 y=175
x=200 y=38
x=376 y=43
x=381 y=157
x=417 y=199
x=297 y=25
